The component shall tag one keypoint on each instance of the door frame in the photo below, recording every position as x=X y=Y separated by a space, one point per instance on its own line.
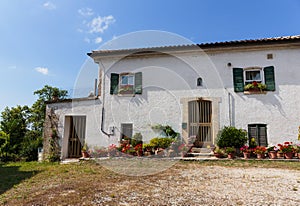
x=67 y=129
x=215 y=119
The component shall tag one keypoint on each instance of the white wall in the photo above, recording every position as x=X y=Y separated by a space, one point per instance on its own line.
x=168 y=79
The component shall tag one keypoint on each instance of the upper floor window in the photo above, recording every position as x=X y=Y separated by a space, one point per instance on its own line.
x=127 y=79
x=252 y=75
x=258 y=77
x=126 y=83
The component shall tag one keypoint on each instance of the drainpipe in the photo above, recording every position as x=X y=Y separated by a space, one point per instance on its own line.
x=229 y=107
x=103 y=100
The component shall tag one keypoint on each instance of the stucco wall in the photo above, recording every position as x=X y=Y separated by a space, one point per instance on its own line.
x=91 y=109
x=169 y=79
x=169 y=82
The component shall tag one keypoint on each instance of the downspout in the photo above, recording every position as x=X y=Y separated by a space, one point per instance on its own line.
x=229 y=107
x=103 y=100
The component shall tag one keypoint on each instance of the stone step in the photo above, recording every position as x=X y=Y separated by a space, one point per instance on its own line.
x=206 y=155
x=200 y=150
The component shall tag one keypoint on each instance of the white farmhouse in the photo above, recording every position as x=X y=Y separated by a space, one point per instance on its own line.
x=196 y=89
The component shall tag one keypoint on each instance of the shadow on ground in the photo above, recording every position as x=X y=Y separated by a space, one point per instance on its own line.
x=11 y=176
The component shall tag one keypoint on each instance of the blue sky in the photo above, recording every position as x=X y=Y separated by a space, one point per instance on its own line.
x=45 y=42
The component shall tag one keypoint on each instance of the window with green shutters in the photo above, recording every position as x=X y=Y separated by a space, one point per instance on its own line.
x=259 y=133
x=244 y=76
x=126 y=83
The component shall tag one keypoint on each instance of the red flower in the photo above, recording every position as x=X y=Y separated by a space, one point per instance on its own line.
x=254 y=83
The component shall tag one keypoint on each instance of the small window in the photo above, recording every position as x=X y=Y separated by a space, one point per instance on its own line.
x=259 y=133
x=199 y=82
x=126 y=131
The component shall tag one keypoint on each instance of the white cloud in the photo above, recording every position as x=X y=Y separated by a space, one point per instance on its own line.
x=42 y=70
x=87 y=40
x=86 y=12
x=100 y=24
x=98 y=40
x=49 y=5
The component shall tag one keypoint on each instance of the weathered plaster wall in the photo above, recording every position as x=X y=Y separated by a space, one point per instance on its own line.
x=91 y=108
x=168 y=79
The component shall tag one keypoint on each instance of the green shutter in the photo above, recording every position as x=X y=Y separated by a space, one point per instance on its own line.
x=138 y=83
x=238 y=79
x=269 y=78
x=114 y=83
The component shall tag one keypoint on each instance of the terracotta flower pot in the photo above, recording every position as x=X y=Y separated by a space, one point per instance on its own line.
x=288 y=155
x=280 y=155
x=85 y=154
x=246 y=155
x=231 y=156
x=260 y=156
x=273 y=155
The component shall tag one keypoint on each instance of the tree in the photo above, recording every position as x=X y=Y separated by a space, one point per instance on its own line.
x=14 y=123
x=38 y=109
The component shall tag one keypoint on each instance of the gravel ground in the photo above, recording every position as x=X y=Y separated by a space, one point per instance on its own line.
x=206 y=185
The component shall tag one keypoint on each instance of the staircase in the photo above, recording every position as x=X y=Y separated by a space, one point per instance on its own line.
x=200 y=152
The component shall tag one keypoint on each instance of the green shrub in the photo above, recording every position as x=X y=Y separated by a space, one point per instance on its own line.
x=231 y=137
x=163 y=142
x=137 y=139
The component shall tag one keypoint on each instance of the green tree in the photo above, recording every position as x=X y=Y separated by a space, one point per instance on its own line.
x=38 y=109
x=14 y=123
x=4 y=145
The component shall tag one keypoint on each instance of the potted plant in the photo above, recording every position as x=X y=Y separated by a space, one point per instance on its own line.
x=287 y=149
x=272 y=152
x=260 y=152
x=219 y=152
x=84 y=151
x=230 y=151
x=112 y=150
x=183 y=148
x=139 y=149
x=246 y=151
x=255 y=86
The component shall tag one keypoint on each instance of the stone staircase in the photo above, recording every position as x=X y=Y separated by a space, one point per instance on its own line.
x=200 y=153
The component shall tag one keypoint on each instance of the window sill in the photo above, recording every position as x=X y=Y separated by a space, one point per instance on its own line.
x=254 y=92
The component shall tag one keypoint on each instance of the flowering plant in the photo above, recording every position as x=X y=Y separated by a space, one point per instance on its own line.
x=138 y=148
x=112 y=147
x=272 y=149
x=255 y=85
x=260 y=150
x=286 y=147
x=230 y=150
x=245 y=149
x=183 y=147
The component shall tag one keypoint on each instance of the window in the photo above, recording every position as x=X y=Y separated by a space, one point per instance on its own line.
x=253 y=75
x=126 y=131
x=242 y=77
x=126 y=83
x=127 y=79
x=259 y=132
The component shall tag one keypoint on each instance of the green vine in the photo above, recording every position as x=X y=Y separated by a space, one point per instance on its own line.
x=167 y=130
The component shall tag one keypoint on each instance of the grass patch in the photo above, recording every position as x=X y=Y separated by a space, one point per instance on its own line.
x=32 y=183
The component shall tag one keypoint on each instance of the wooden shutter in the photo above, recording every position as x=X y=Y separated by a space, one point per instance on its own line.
x=114 y=83
x=259 y=132
x=238 y=79
x=269 y=78
x=138 y=83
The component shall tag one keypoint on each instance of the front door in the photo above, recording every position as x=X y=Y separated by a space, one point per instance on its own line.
x=76 y=136
x=200 y=124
